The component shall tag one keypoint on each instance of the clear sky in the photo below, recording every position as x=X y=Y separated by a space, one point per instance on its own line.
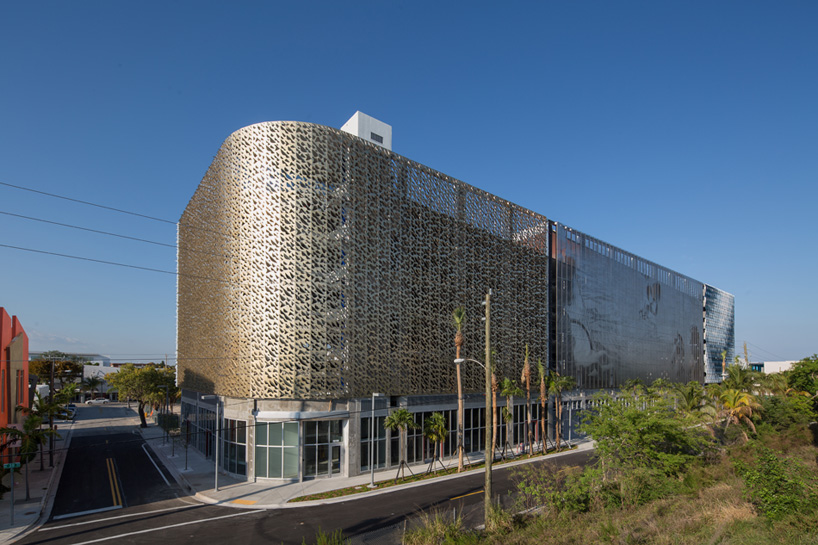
x=684 y=132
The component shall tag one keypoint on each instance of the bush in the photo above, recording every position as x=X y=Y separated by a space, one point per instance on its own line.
x=783 y=412
x=777 y=489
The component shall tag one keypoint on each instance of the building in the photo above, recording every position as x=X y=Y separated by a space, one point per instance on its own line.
x=317 y=267
x=14 y=381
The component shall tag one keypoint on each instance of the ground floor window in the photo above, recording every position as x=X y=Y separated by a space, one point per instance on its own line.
x=322 y=448
x=234 y=446
x=376 y=441
x=277 y=450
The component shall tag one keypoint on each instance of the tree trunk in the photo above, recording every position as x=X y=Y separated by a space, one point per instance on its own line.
x=142 y=422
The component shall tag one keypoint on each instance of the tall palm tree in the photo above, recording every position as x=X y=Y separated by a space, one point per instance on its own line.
x=401 y=420
x=738 y=407
x=525 y=378
x=458 y=316
x=560 y=384
x=435 y=430
x=543 y=376
x=509 y=389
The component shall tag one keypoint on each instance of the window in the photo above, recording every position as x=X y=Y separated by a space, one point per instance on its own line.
x=376 y=137
x=379 y=454
x=277 y=450
x=322 y=448
x=234 y=445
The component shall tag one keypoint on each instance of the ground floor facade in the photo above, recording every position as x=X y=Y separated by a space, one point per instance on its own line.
x=297 y=440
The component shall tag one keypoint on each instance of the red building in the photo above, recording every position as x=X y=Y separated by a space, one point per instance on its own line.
x=13 y=370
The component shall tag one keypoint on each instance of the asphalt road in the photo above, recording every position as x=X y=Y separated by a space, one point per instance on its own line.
x=103 y=456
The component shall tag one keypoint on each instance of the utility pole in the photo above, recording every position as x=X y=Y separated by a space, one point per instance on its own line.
x=489 y=438
x=51 y=416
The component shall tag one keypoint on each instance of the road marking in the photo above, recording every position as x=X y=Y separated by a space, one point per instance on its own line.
x=116 y=494
x=464 y=495
x=187 y=506
x=89 y=512
x=245 y=502
x=171 y=526
x=154 y=464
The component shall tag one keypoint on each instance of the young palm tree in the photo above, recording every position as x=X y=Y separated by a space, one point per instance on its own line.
x=458 y=316
x=738 y=408
x=740 y=378
x=435 y=430
x=31 y=437
x=401 y=420
x=509 y=389
x=92 y=384
x=560 y=384
x=525 y=378
x=544 y=381
x=690 y=397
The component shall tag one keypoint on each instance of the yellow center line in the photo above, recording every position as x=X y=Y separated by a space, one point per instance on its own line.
x=116 y=496
x=464 y=495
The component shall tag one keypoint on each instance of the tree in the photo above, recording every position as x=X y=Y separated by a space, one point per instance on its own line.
x=435 y=430
x=143 y=385
x=509 y=389
x=92 y=384
x=640 y=442
x=66 y=369
x=544 y=377
x=458 y=316
x=690 y=396
x=560 y=384
x=32 y=437
x=738 y=407
x=740 y=378
x=525 y=378
x=803 y=376
x=401 y=420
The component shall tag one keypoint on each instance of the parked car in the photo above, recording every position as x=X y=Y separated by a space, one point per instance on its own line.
x=66 y=414
x=97 y=401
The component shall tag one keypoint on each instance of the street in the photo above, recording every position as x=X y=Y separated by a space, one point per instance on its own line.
x=112 y=488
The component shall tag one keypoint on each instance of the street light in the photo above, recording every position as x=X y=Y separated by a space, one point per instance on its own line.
x=218 y=425
x=489 y=438
x=372 y=441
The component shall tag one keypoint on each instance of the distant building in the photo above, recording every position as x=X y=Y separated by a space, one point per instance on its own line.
x=770 y=367
x=78 y=357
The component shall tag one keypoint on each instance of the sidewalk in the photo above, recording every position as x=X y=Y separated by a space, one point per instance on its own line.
x=197 y=478
x=42 y=487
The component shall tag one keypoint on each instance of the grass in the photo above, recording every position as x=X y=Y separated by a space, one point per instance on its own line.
x=711 y=507
x=420 y=476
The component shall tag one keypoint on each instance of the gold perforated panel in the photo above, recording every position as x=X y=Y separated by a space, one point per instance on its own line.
x=315 y=265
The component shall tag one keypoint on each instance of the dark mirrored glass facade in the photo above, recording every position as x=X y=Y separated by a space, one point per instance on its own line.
x=719 y=331
x=618 y=317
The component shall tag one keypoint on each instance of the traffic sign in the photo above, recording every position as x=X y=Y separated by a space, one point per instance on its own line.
x=13 y=465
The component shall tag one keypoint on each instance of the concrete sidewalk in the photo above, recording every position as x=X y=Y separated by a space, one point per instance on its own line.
x=196 y=475
x=42 y=488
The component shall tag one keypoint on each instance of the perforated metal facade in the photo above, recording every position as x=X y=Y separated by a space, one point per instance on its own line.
x=619 y=317
x=719 y=331
x=313 y=265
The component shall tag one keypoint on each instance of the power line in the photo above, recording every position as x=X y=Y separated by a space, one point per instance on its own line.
x=81 y=258
x=121 y=211
x=88 y=229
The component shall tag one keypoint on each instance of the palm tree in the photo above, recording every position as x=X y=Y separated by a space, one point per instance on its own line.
x=435 y=431
x=31 y=437
x=509 y=389
x=544 y=381
x=560 y=384
x=738 y=407
x=740 y=378
x=401 y=420
x=690 y=396
x=458 y=315
x=92 y=383
x=525 y=378
x=495 y=386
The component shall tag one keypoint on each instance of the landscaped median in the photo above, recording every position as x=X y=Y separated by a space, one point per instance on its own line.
x=420 y=476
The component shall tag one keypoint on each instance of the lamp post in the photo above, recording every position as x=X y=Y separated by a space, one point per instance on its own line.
x=165 y=417
x=489 y=438
x=372 y=441
x=218 y=425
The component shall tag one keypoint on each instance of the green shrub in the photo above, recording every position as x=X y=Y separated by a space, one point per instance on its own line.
x=777 y=489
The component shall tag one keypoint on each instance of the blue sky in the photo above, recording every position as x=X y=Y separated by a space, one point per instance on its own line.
x=684 y=132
